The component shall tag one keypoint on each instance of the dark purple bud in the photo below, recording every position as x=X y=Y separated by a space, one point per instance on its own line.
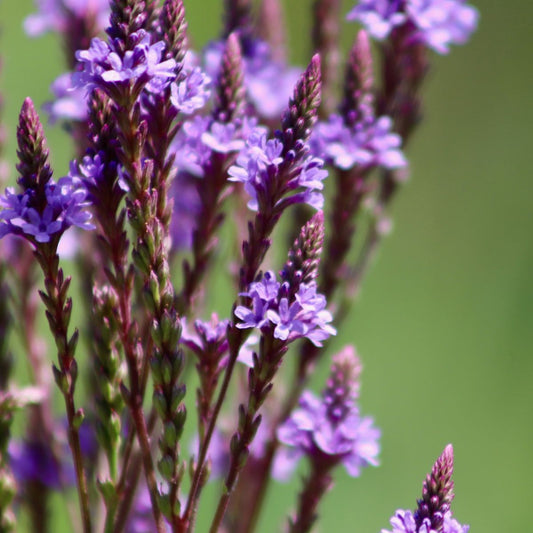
x=437 y=492
x=358 y=102
x=304 y=256
x=237 y=17
x=32 y=152
x=230 y=87
x=174 y=29
x=301 y=114
x=128 y=17
x=342 y=387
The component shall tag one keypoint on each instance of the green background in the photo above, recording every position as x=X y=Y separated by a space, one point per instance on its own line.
x=444 y=321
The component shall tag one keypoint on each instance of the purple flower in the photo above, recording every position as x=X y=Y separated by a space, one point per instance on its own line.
x=258 y=167
x=223 y=138
x=65 y=207
x=404 y=522
x=105 y=67
x=70 y=103
x=57 y=15
x=184 y=195
x=269 y=83
x=436 y=23
x=191 y=93
x=191 y=153
x=369 y=143
x=329 y=430
x=305 y=316
x=264 y=295
x=311 y=431
x=207 y=337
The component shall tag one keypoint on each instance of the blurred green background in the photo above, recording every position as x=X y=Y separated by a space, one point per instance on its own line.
x=444 y=321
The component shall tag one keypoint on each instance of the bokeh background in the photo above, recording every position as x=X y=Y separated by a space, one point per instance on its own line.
x=444 y=320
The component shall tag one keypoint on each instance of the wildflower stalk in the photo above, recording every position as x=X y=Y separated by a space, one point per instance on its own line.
x=227 y=109
x=296 y=128
x=7 y=486
x=326 y=40
x=296 y=123
x=58 y=312
x=301 y=267
x=316 y=485
x=404 y=64
x=132 y=137
x=35 y=175
x=259 y=385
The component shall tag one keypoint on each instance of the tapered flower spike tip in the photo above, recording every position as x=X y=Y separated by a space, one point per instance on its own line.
x=304 y=256
x=230 y=88
x=237 y=16
x=32 y=151
x=345 y=374
x=174 y=27
x=437 y=492
x=301 y=115
x=359 y=80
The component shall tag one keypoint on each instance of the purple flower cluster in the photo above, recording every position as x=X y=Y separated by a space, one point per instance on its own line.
x=404 y=522
x=330 y=429
x=211 y=336
x=269 y=83
x=367 y=143
x=57 y=15
x=191 y=92
x=192 y=148
x=258 y=167
x=304 y=316
x=436 y=23
x=103 y=66
x=66 y=203
x=70 y=102
x=199 y=137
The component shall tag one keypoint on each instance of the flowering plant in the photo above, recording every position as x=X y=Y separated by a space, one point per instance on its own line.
x=168 y=141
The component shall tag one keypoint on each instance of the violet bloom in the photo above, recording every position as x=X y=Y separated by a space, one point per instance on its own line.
x=329 y=430
x=184 y=194
x=269 y=83
x=264 y=296
x=190 y=152
x=436 y=23
x=404 y=522
x=66 y=206
x=259 y=164
x=104 y=67
x=191 y=93
x=305 y=316
x=211 y=336
x=70 y=103
x=57 y=15
x=369 y=143
x=200 y=137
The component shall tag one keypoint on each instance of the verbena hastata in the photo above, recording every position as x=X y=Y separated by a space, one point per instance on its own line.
x=169 y=142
